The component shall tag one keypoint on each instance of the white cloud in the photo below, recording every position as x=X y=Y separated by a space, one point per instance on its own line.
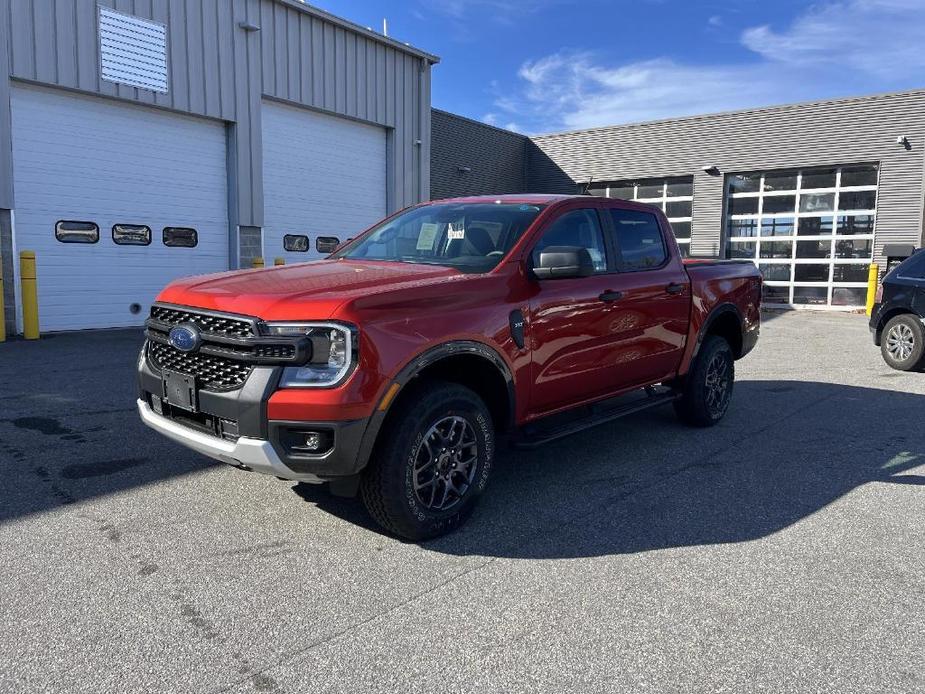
x=832 y=49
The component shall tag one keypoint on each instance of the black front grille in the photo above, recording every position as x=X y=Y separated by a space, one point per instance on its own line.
x=214 y=373
x=274 y=351
x=209 y=324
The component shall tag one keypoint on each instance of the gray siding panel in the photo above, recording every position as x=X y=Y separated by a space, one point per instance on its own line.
x=496 y=158
x=216 y=69
x=831 y=132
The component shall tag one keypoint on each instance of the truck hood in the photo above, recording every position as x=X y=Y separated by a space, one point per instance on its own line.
x=303 y=291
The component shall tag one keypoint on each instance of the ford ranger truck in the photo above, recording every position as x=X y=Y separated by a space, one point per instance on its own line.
x=393 y=367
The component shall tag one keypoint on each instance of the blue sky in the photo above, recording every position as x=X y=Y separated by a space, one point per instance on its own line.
x=548 y=65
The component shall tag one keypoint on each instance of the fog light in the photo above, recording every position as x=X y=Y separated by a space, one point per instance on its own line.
x=313 y=440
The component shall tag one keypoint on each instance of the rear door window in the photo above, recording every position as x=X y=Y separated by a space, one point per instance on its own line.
x=639 y=240
x=913 y=267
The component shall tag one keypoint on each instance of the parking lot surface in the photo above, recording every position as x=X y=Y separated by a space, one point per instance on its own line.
x=782 y=551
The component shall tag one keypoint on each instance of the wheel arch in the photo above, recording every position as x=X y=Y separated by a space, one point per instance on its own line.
x=889 y=315
x=725 y=321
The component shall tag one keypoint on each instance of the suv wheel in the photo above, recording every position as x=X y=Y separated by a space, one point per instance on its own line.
x=434 y=461
x=903 y=342
x=707 y=388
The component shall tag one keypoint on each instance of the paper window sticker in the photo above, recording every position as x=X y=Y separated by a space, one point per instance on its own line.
x=427 y=236
x=455 y=232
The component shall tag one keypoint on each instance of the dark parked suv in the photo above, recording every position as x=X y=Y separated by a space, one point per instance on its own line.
x=898 y=318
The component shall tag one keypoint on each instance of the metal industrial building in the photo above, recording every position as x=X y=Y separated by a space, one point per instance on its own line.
x=811 y=192
x=142 y=140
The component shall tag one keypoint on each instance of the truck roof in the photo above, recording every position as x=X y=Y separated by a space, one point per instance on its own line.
x=535 y=198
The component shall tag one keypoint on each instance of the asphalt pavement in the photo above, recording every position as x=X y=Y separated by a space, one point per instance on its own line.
x=781 y=551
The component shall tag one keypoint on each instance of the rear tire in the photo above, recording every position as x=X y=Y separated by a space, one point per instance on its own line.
x=707 y=388
x=902 y=343
x=434 y=461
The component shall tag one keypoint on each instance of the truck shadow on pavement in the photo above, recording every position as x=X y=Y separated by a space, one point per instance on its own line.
x=786 y=450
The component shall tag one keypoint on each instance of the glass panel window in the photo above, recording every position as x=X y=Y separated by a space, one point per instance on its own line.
x=849 y=296
x=815 y=226
x=576 y=228
x=777 y=226
x=77 y=232
x=780 y=180
x=327 y=244
x=775 y=294
x=679 y=187
x=131 y=234
x=682 y=230
x=810 y=295
x=857 y=200
x=744 y=183
x=865 y=175
x=598 y=191
x=854 y=248
x=650 y=189
x=849 y=272
x=180 y=237
x=623 y=192
x=295 y=243
x=779 y=203
x=639 y=238
x=806 y=272
x=814 y=249
x=817 y=202
x=819 y=178
x=685 y=250
x=743 y=227
x=741 y=249
x=855 y=224
x=776 y=249
x=743 y=205
x=779 y=272
x=678 y=208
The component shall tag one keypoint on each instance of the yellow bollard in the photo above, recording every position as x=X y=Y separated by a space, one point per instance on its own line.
x=257 y=262
x=279 y=261
x=30 y=298
x=873 y=276
x=2 y=312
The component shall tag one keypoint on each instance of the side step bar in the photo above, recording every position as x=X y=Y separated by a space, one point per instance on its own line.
x=535 y=435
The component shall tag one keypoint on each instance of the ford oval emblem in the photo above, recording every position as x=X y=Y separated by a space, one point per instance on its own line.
x=185 y=338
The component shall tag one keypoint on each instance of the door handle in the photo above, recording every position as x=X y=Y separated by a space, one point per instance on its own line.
x=674 y=288
x=610 y=295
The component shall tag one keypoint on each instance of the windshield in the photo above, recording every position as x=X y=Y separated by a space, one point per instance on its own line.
x=469 y=237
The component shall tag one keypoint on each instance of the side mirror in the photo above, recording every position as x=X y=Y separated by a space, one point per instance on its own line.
x=563 y=262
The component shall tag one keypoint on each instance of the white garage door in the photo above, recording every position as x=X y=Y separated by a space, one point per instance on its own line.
x=81 y=163
x=323 y=177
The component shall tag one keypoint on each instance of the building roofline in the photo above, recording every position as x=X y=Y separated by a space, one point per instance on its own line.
x=481 y=123
x=359 y=29
x=755 y=110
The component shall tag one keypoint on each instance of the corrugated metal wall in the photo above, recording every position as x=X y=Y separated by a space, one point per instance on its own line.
x=831 y=132
x=219 y=70
x=496 y=158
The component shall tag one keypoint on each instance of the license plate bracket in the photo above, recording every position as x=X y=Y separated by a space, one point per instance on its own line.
x=180 y=390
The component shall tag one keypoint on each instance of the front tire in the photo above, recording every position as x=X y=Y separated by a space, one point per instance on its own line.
x=435 y=460
x=707 y=388
x=903 y=343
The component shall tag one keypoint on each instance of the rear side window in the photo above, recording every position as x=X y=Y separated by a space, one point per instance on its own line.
x=77 y=232
x=576 y=228
x=913 y=267
x=639 y=239
x=180 y=237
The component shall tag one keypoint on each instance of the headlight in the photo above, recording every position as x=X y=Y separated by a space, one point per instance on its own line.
x=333 y=353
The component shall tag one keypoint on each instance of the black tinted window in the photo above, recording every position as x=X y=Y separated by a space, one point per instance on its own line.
x=180 y=237
x=639 y=238
x=77 y=232
x=913 y=267
x=576 y=228
x=295 y=243
x=131 y=234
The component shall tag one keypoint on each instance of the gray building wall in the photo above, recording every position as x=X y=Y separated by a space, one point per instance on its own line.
x=846 y=131
x=219 y=70
x=495 y=158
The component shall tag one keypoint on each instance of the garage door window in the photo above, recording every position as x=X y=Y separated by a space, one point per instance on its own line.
x=810 y=231
x=326 y=244
x=674 y=196
x=131 y=234
x=180 y=237
x=77 y=232
x=295 y=243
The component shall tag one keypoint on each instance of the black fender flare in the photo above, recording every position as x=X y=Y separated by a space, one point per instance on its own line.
x=718 y=312
x=413 y=368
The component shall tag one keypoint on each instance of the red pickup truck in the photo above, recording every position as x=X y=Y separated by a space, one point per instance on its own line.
x=393 y=367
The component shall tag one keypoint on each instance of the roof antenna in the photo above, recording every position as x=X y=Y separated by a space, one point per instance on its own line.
x=587 y=188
